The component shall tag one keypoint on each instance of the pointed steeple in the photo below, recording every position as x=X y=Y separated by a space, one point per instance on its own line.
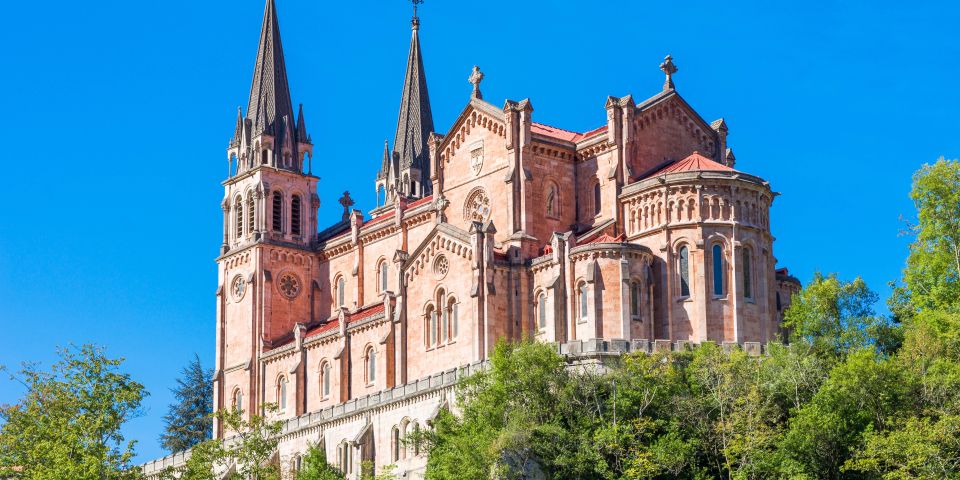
x=270 y=93
x=238 y=130
x=416 y=119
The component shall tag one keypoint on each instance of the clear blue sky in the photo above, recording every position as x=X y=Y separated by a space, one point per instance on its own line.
x=118 y=115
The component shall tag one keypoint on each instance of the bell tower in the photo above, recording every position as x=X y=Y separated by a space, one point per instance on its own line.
x=269 y=228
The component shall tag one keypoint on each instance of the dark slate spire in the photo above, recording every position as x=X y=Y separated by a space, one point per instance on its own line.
x=385 y=165
x=416 y=120
x=302 y=127
x=270 y=93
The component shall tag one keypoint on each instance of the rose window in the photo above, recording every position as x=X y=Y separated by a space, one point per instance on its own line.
x=477 y=206
x=239 y=287
x=289 y=285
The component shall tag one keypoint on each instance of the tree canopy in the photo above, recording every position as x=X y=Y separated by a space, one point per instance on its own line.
x=68 y=423
x=189 y=420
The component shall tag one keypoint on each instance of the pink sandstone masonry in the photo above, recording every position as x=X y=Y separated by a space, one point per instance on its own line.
x=639 y=235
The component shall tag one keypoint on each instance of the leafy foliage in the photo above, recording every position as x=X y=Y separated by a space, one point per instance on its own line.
x=68 y=424
x=188 y=421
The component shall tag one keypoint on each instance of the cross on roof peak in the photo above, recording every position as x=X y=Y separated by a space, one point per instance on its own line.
x=475 y=78
x=668 y=68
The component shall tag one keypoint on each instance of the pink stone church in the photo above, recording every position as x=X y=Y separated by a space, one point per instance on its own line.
x=638 y=235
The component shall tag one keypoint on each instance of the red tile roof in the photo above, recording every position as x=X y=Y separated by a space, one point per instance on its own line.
x=607 y=239
x=351 y=318
x=381 y=217
x=693 y=163
x=421 y=201
x=561 y=134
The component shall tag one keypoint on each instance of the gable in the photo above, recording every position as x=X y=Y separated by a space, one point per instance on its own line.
x=665 y=128
x=445 y=239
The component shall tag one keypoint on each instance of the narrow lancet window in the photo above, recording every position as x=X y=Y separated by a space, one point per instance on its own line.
x=295 y=215
x=717 y=270
x=277 y=212
x=684 y=272
x=747 y=293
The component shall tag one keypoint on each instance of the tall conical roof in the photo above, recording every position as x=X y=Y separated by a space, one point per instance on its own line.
x=416 y=119
x=270 y=93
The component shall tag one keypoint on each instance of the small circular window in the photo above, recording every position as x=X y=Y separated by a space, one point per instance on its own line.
x=238 y=287
x=441 y=266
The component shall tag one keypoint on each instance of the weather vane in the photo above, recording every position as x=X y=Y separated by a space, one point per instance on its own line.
x=415 y=3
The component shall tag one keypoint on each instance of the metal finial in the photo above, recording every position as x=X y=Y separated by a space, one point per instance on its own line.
x=475 y=78
x=416 y=20
x=668 y=68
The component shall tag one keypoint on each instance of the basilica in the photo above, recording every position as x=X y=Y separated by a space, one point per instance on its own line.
x=638 y=235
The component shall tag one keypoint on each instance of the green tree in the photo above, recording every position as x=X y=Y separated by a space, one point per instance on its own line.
x=862 y=393
x=316 y=467
x=188 y=421
x=68 y=424
x=836 y=317
x=920 y=448
x=932 y=275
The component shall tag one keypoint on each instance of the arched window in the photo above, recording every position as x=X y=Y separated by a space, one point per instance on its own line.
x=404 y=449
x=238 y=208
x=295 y=215
x=282 y=393
x=717 y=270
x=582 y=293
x=444 y=319
x=747 y=292
x=384 y=276
x=343 y=456
x=298 y=463
x=250 y=214
x=542 y=310
x=596 y=199
x=553 y=201
x=635 y=299
x=277 y=212
x=684 y=272
x=341 y=291
x=325 y=380
x=452 y=305
x=371 y=359
x=238 y=400
x=416 y=436
x=431 y=326
x=395 y=444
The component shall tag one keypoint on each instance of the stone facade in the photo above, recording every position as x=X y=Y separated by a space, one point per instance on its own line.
x=639 y=234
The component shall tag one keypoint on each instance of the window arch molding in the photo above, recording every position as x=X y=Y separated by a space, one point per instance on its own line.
x=281 y=392
x=326 y=379
x=383 y=275
x=238 y=217
x=583 y=300
x=276 y=211
x=237 y=399
x=718 y=269
x=296 y=213
x=251 y=213
x=370 y=364
x=540 y=308
x=339 y=284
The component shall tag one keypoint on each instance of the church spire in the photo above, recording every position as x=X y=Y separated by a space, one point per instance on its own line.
x=416 y=120
x=270 y=93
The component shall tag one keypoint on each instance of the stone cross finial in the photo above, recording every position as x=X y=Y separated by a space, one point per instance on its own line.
x=669 y=68
x=347 y=202
x=475 y=78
